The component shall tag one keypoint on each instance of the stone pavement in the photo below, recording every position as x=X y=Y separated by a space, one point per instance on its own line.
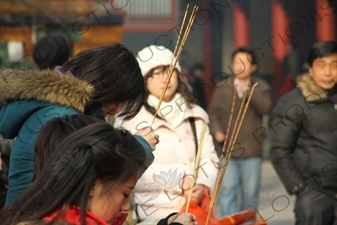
x=276 y=206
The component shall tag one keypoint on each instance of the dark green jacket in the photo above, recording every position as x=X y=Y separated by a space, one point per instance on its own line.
x=30 y=99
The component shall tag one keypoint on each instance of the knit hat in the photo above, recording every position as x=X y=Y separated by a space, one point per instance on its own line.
x=153 y=56
x=51 y=51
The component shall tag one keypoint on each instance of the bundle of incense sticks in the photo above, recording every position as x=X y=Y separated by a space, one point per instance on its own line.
x=196 y=165
x=182 y=37
x=228 y=149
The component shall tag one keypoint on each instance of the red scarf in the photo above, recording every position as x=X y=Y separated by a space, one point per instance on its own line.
x=73 y=215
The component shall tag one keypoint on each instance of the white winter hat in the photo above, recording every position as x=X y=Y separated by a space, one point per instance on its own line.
x=153 y=56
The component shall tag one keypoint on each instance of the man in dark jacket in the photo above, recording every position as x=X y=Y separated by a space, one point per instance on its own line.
x=244 y=167
x=304 y=139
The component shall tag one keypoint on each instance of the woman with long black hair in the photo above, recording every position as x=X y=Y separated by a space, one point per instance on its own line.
x=96 y=82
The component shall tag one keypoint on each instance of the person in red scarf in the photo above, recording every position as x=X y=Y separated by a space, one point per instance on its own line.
x=43 y=222
x=87 y=181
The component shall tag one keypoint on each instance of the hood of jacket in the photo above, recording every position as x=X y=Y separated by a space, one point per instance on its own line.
x=310 y=90
x=26 y=92
x=46 y=86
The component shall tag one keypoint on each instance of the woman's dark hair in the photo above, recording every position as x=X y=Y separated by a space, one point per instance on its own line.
x=182 y=89
x=97 y=151
x=5 y=152
x=115 y=74
x=53 y=133
x=321 y=49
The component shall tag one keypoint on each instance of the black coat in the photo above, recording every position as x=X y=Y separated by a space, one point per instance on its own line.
x=303 y=129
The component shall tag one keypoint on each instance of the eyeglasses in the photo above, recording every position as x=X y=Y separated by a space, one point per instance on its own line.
x=159 y=74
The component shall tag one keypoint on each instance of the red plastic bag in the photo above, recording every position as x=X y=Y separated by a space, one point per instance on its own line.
x=242 y=217
x=238 y=218
x=201 y=210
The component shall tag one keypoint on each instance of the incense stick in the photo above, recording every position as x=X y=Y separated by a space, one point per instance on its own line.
x=188 y=28
x=181 y=29
x=235 y=133
x=223 y=152
x=196 y=165
x=245 y=110
x=229 y=124
x=176 y=56
x=236 y=123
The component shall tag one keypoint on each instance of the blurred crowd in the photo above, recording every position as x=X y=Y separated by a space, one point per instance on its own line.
x=86 y=139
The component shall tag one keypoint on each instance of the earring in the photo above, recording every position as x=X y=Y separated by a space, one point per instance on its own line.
x=64 y=210
x=88 y=204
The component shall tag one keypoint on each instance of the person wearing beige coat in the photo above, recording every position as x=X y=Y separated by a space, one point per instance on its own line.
x=163 y=188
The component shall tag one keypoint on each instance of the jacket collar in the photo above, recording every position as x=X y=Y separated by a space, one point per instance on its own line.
x=72 y=214
x=144 y=119
x=230 y=82
x=195 y=112
x=310 y=90
x=46 y=86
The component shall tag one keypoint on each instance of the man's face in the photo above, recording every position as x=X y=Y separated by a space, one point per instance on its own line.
x=242 y=66
x=324 y=71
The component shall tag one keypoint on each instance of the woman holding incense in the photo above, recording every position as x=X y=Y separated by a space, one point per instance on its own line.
x=87 y=180
x=95 y=82
x=165 y=185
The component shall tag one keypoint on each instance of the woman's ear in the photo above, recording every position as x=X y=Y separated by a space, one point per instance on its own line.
x=92 y=190
x=310 y=71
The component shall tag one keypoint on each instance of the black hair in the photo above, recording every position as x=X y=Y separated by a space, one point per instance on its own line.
x=51 y=51
x=97 y=151
x=53 y=133
x=5 y=151
x=321 y=49
x=197 y=66
x=252 y=59
x=182 y=89
x=115 y=74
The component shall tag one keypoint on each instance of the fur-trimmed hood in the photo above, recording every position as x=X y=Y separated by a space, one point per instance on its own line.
x=309 y=89
x=46 y=86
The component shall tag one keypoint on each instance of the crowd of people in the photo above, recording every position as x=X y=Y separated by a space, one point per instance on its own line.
x=62 y=163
